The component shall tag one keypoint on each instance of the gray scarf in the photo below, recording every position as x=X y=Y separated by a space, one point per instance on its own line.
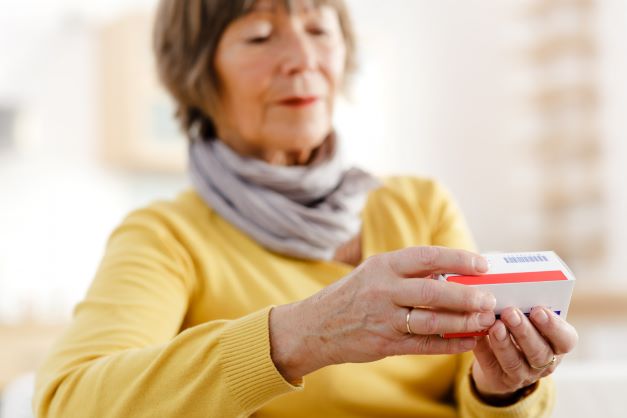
x=300 y=211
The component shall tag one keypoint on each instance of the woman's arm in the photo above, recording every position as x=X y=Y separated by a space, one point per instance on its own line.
x=122 y=357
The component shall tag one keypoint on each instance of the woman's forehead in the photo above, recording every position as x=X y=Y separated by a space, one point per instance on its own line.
x=289 y=5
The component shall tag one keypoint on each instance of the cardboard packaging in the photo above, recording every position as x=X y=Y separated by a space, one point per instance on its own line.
x=522 y=280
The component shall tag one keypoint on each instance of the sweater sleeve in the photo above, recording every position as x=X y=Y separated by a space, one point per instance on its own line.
x=451 y=230
x=123 y=354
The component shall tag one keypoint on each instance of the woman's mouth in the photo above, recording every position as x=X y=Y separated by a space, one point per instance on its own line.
x=299 y=101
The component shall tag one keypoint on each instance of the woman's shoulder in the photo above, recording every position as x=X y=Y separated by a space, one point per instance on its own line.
x=427 y=201
x=409 y=198
x=425 y=192
x=185 y=203
x=407 y=183
x=168 y=216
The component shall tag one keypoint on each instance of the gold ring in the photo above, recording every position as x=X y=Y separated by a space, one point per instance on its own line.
x=550 y=363
x=407 y=321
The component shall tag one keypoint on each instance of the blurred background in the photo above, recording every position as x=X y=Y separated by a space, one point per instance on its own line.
x=517 y=107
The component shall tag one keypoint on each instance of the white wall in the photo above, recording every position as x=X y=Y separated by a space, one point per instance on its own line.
x=436 y=99
x=58 y=203
x=613 y=71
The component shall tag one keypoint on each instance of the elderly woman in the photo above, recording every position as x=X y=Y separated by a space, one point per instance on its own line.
x=283 y=284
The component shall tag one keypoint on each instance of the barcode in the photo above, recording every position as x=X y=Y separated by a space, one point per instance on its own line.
x=526 y=259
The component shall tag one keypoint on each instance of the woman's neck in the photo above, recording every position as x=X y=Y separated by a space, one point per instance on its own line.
x=280 y=157
x=302 y=157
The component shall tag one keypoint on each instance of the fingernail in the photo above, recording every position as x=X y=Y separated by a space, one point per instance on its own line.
x=488 y=302
x=540 y=316
x=500 y=333
x=486 y=319
x=480 y=264
x=514 y=317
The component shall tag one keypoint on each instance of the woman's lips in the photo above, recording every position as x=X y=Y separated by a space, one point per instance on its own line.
x=299 y=101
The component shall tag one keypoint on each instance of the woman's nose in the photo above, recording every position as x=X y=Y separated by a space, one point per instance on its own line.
x=298 y=54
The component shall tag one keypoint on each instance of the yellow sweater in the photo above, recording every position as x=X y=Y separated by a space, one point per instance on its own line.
x=175 y=324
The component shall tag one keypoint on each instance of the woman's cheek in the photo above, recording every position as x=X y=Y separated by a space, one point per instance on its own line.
x=335 y=66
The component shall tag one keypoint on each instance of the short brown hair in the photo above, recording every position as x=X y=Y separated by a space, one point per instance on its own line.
x=185 y=39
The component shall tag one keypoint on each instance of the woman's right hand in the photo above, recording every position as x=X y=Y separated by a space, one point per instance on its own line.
x=362 y=317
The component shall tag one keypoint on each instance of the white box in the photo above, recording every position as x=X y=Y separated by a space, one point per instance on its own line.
x=522 y=280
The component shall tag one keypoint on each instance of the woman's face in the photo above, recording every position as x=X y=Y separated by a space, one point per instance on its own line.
x=279 y=73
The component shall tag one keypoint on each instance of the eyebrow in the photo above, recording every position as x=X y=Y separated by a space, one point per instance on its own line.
x=290 y=5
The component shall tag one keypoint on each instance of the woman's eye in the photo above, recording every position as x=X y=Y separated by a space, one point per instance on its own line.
x=257 y=39
x=318 y=31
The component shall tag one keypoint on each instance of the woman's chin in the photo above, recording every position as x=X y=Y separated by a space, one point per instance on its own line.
x=299 y=140
x=292 y=148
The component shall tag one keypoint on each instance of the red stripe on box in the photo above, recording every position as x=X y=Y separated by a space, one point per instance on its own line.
x=534 y=276
x=465 y=334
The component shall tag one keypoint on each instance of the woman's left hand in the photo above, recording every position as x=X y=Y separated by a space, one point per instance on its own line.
x=520 y=351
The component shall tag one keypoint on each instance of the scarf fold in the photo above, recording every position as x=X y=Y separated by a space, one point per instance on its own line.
x=300 y=211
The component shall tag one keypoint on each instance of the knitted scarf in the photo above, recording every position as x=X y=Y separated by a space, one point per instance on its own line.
x=299 y=211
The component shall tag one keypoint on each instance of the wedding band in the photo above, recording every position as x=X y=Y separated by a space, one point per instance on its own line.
x=550 y=363
x=407 y=321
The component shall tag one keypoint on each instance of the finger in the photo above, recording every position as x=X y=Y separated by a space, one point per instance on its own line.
x=433 y=344
x=432 y=322
x=426 y=260
x=434 y=293
x=485 y=357
x=509 y=357
x=560 y=334
x=550 y=369
x=533 y=345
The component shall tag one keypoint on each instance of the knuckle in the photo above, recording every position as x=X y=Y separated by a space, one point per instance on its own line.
x=473 y=298
x=513 y=367
x=493 y=363
x=467 y=297
x=455 y=346
x=522 y=332
x=471 y=322
x=375 y=262
x=431 y=322
x=467 y=321
x=463 y=260
x=428 y=345
x=428 y=256
x=376 y=289
x=428 y=293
